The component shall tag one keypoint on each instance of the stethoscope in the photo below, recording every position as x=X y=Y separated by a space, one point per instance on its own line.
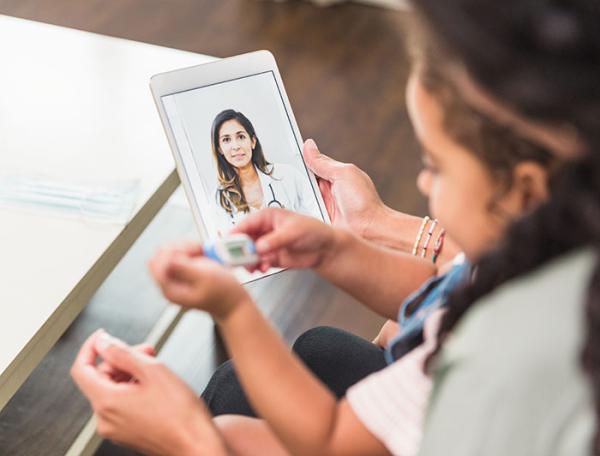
x=273 y=203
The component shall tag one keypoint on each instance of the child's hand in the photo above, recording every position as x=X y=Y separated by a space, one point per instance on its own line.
x=388 y=331
x=287 y=240
x=189 y=279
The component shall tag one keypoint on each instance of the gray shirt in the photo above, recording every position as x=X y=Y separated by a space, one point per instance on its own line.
x=509 y=381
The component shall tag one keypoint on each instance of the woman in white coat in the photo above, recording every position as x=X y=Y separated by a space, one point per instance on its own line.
x=246 y=180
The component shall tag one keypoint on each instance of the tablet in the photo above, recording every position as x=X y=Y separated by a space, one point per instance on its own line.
x=236 y=143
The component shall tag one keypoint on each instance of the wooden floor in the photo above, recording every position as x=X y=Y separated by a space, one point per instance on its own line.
x=344 y=68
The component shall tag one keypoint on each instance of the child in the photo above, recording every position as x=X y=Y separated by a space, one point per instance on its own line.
x=478 y=176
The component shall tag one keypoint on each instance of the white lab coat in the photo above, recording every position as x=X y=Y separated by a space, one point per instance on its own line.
x=290 y=187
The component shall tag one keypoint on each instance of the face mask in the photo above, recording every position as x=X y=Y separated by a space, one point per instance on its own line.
x=109 y=202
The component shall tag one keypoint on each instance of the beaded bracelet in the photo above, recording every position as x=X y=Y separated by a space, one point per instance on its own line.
x=420 y=235
x=439 y=244
x=428 y=238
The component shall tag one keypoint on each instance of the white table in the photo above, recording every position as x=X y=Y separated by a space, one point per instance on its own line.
x=74 y=105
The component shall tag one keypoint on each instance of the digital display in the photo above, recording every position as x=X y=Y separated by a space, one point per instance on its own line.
x=236 y=251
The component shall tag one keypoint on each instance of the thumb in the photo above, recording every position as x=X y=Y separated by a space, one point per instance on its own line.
x=121 y=356
x=320 y=164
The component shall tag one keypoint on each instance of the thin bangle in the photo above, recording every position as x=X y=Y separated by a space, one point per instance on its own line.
x=428 y=238
x=439 y=244
x=420 y=234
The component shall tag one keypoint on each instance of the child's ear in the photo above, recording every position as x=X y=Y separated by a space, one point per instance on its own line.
x=530 y=180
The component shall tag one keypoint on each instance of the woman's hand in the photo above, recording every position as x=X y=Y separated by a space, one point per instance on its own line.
x=119 y=376
x=348 y=192
x=286 y=239
x=191 y=280
x=148 y=407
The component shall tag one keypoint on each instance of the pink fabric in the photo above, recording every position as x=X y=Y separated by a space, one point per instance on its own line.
x=391 y=403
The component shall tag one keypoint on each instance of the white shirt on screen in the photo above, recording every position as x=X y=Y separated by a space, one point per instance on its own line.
x=285 y=187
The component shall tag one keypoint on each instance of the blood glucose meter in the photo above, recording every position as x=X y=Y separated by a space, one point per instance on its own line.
x=233 y=250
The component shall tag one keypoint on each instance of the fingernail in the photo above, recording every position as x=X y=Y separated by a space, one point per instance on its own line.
x=311 y=143
x=104 y=341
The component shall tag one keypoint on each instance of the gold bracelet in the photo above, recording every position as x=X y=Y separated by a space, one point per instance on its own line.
x=420 y=234
x=428 y=238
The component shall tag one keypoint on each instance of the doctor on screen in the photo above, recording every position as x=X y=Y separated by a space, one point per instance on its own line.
x=246 y=180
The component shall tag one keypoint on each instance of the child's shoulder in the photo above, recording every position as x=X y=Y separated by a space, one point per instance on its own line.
x=537 y=316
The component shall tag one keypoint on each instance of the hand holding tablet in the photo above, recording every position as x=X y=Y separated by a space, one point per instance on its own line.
x=235 y=142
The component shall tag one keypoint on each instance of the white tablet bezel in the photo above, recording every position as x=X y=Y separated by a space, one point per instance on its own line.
x=221 y=71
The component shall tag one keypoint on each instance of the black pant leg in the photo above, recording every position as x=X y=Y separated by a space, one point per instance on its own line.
x=338 y=358
x=224 y=394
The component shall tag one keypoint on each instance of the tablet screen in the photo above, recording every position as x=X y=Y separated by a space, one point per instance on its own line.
x=239 y=151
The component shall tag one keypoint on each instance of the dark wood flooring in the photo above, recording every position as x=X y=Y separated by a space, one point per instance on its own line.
x=344 y=68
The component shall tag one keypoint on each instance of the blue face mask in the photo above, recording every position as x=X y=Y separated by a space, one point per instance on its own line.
x=109 y=202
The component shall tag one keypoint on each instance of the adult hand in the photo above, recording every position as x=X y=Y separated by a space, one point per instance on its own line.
x=119 y=376
x=150 y=408
x=286 y=239
x=191 y=280
x=348 y=192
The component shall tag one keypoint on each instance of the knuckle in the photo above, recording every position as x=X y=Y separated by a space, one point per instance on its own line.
x=166 y=291
x=156 y=368
x=101 y=407
x=346 y=169
x=351 y=168
x=104 y=429
x=112 y=351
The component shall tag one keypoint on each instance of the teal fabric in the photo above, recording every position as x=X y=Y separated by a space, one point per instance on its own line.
x=509 y=381
x=431 y=296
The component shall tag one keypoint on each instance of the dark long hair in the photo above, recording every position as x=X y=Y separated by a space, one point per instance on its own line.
x=543 y=59
x=230 y=195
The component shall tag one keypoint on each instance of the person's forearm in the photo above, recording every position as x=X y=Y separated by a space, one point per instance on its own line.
x=398 y=231
x=378 y=277
x=202 y=448
x=198 y=438
x=300 y=410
